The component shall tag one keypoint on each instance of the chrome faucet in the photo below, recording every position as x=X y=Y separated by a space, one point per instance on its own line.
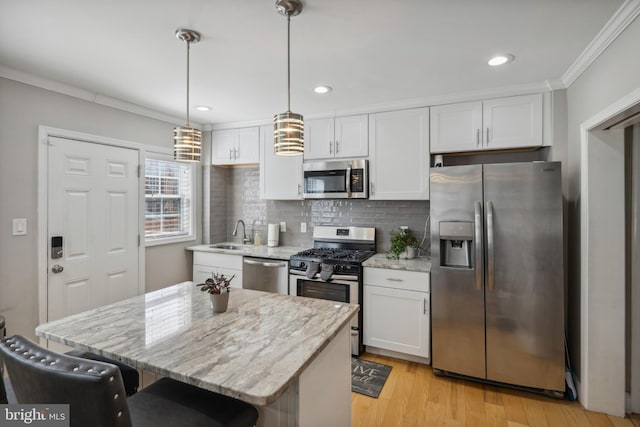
x=244 y=234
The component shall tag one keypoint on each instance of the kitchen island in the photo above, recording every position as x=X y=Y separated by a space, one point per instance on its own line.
x=288 y=356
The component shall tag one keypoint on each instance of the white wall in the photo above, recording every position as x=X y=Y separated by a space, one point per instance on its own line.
x=22 y=109
x=613 y=75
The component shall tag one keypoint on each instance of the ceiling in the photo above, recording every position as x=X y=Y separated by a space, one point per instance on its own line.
x=371 y=52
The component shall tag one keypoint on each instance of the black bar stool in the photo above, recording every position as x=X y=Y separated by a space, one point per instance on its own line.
x=96 y=397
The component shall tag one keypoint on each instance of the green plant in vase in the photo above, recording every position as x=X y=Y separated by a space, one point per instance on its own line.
x=400 y=242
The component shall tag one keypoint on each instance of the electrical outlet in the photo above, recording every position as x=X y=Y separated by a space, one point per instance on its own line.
x=283 y=227
x=404 y=227
x=303 y=227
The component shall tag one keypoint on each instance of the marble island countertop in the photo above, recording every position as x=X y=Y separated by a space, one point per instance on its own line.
x=380 y=260
x=277 y=252
x=252 y=352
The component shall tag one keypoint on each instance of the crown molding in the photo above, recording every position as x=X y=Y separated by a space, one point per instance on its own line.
x=94 y=97
x=629 y=10
x=476 y=95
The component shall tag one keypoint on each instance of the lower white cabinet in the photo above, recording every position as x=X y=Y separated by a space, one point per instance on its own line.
x=397 y=311
x=207 y=263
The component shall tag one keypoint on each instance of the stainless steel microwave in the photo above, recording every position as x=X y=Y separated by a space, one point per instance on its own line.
x=339 y=179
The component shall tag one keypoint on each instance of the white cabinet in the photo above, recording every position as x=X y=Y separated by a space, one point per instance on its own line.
x=235 y=146
x=399 y=155
x=207 y=263
x=493 y=124
x=397 y=311
x=280 y=176
x=339 y=137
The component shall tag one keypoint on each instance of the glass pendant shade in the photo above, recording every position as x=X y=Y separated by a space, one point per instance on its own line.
x=288 y=134
x=187 y=144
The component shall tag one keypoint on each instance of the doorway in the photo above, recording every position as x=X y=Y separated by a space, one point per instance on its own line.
x=605 y=288
x=89 y=222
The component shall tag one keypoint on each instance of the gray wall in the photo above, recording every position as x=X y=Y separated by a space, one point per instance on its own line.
x=22 y=109
x=235 y=195
x=614 y=74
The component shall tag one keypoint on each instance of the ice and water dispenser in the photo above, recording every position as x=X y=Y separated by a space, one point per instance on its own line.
x=456 y=244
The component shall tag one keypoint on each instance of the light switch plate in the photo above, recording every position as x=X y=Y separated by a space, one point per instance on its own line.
x=303 y=227
x=19 y=226
x=283 y=227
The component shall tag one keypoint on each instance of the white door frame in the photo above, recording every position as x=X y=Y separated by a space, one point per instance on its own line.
x=44 y=132
x=602 y=274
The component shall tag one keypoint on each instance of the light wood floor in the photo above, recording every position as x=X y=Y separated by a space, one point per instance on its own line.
x=413 y=396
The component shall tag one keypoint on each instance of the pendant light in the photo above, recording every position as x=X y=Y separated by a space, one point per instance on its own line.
x=288 y=128
x=187 y=141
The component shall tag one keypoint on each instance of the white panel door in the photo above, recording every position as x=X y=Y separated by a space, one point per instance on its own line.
x=512 y=122
x=93 y=205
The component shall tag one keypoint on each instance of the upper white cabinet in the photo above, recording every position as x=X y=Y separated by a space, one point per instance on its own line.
x=493 y=124
x=235 y=146
x=399 y=155
x=339 y=137
x=280 y=176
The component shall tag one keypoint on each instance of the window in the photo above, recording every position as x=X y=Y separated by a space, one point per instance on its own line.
x=168 y=193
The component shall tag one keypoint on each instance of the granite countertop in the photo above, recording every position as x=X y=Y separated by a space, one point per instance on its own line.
x=277 y=252
x=252 y=352
x=380 y=260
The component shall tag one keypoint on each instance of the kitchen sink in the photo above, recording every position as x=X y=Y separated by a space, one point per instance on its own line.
x=227 y=246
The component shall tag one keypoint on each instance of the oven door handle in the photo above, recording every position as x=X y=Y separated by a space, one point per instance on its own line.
x=333 y=277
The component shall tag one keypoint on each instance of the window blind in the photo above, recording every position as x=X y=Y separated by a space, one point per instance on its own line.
x=168 y=199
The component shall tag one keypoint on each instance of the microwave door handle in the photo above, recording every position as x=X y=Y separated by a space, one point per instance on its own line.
x=348 y=181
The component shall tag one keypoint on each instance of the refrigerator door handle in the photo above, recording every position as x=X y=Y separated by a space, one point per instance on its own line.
x=478 y=244
x=490 y=246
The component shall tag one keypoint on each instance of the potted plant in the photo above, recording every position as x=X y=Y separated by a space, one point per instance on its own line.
x=403 y=244
x=218 y=287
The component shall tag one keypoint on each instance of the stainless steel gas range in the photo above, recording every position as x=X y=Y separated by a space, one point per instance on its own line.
x=332 y=270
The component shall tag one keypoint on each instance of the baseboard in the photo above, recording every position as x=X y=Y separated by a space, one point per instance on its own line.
x=397 y=355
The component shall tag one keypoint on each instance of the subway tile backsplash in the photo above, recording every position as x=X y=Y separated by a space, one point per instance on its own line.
x=235 y=194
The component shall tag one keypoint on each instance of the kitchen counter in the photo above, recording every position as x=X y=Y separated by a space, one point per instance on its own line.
x=263 y=251
x=266 y=349
x=380 y=260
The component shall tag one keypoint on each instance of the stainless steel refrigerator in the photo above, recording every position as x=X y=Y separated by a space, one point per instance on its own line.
x=497 y=288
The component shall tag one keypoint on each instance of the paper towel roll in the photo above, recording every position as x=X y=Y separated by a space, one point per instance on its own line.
x=273 y=235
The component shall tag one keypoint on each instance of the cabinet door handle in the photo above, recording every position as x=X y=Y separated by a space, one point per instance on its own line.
x=236 y=151
x=230 y=153
x=393 y=279
x=487 y=141
x=330 y=147
x=337 y=146
x=299 y=189
x=370 y=188
x=478 y=137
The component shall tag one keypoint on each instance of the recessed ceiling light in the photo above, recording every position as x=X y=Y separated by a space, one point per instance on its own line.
x=501 y=59
x=202 y=108
x=322 y=89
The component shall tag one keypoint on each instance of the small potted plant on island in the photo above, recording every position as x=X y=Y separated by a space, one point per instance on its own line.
x=403 y=244
x=218 y=288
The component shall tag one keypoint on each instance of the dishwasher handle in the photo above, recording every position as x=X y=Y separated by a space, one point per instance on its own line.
x=265 y=264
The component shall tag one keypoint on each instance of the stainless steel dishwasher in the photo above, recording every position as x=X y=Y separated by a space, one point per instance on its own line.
x=265 y=274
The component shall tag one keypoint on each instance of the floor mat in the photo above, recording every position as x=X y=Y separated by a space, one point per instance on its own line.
x=367 y=377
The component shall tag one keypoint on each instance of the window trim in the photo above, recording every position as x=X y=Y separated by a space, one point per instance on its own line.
x=168 y=156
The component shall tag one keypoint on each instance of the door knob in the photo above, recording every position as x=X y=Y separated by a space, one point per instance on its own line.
x=57 y=268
